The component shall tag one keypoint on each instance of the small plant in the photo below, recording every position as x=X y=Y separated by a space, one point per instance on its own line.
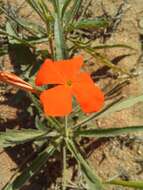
x=55 y=86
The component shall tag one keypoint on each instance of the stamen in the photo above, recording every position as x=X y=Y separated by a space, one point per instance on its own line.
x=69 y=83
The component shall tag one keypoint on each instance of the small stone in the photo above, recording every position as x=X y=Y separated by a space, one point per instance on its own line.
x=141 y=23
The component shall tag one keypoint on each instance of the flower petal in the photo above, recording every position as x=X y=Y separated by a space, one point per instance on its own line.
x=70 y=68
x=57 y=101
x=48 y=74
x=89 y=96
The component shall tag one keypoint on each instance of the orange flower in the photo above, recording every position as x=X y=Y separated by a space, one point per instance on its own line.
x=69 y=81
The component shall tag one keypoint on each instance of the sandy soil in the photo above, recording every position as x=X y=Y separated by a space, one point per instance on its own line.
x=124 y=154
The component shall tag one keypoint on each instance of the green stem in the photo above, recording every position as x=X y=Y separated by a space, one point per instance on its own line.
x=64 y=168
x=66 y=126
x=65 y=153
x=60 y=45
x=51 y=46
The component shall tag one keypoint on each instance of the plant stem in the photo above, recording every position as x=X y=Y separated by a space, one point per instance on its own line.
x=60 y=45
x=49 y=31
x=65 y=154
x=64 y=168
x=51 y=46
x=66 y=126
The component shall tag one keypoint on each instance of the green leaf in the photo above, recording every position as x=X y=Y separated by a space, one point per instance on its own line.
x=107 y=62
x=56 y=6
x=65 y=6
x=13 y=38
x=90 y=24
x=73 y=12
x=132 y=184
x=2 y=31
x=11 y=32
x=13 y=137
x=42 y=10
x=102 y=58
x=110 y=132
x=95 y=115
x=123 y=104
x=115 y=106
x=33 y=28
x=3 y=50
x=110 y=46
x=92 y=180
x=39 y=125
x=35 y=166
x=36 y=103
x=61 y=4
x=37 y=41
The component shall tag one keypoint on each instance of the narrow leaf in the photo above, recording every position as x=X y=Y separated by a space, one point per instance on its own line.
x=13 y=38
x=65 y=6
x=73 y=12
x=31 y=26
x=102 y=58
x=12 y=137
x=92 y=180
x=35 y=166
x=3 y=51
x=90 y=24
x=11 y=32
x=110 y=46
x=39 y=125
x=56 y=6
x=132 y=184
x=111 y=108
x=123 y=104
x=110 y=132
x=42 y=10
x=95 y=115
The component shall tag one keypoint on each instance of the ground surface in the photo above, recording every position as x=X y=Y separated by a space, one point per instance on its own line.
x=116 y=157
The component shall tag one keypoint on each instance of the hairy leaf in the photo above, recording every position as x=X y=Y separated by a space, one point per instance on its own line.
x=92 y=180
x=115 y=106
x=90 y=24
x=110 y=132
x=35 y=166
x=13 y=137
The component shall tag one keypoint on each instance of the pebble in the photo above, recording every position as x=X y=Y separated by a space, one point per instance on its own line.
x=141 y=23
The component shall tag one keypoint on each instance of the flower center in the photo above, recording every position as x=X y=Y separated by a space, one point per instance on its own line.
x=69 y=83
